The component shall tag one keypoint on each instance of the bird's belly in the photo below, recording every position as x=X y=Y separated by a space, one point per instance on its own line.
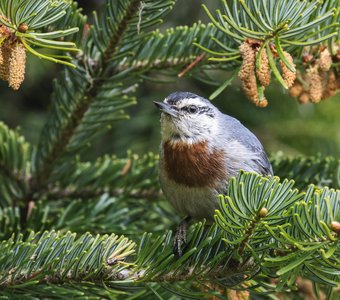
x=191 y=176
x=196 y=202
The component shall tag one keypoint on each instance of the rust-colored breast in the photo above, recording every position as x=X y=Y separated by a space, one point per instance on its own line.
x=193 y=165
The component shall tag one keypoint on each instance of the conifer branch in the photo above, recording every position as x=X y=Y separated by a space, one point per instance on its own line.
x=287 y=31
x=318 y=170
x=175 y=55
x=131 y=10
x=74 y=120
x=277 y=244
x=90 y=93
x=85 y=194
x=91 y=90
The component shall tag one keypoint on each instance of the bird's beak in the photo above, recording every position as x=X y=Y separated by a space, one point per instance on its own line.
x=166 y=108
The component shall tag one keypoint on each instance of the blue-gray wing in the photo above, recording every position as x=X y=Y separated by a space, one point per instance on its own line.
x=234 y=130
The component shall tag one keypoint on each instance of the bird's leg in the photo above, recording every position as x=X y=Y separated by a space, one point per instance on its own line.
x=181 y=237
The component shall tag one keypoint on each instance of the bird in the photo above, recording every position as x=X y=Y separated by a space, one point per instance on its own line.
x=201 y=149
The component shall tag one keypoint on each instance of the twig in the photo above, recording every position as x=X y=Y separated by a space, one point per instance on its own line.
x=193 y=64
x=88 y=193
x=140 y=12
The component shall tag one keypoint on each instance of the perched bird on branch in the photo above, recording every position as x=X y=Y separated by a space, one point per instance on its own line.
x=201 y=149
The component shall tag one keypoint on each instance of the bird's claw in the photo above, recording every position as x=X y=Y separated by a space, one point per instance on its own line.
x=180 y=239
x=179 y=244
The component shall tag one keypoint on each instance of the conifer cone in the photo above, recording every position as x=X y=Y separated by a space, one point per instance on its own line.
x=315 y=86
x=17 y=65
x=335 y=226
x=12 y=57
x=237 y=295
x=296 y=89
x=248 y=60
x=250 y=88
x=247 y=73
x=5 y=32
x=263 y=73
x=330 y=87
x=262 y=103
x=304 y=97
x=287 y=75
x=325 y=60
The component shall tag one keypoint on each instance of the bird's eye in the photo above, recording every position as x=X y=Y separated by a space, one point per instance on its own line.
x=192 y=109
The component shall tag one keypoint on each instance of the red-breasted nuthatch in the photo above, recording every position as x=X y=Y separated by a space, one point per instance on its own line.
x=201 y=149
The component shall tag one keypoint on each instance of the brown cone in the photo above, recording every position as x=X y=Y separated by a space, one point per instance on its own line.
x=315 y=88
x=330 y=87
x=248 y=63
x=296 y=89
x=247 y=72
x=335 y=226
x=263 y=103
x=263 y=73
x=304 y=98
x=250 y=88
x=17 y=65
x=287 y=75
x=325 y=61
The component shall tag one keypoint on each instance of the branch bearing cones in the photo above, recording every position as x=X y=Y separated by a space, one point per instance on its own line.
x=255 y=71
x=12 y=57
x=319 y=81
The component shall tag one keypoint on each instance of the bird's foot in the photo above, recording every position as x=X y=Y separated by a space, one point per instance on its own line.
x=181 y=237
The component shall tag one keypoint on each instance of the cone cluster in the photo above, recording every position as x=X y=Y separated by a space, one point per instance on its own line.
x=320 y=81
x=12 y=58
x=256 y=79
x=247 y=73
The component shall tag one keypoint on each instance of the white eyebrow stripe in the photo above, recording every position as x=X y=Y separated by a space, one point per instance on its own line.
x=191 y=101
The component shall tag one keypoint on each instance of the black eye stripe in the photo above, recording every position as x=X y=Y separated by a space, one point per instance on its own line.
x=191 y=107
x=201 y=110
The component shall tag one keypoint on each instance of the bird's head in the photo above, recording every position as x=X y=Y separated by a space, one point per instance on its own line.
x=187 y=117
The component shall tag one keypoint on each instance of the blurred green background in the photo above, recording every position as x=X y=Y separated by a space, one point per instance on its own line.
x=283 y=126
